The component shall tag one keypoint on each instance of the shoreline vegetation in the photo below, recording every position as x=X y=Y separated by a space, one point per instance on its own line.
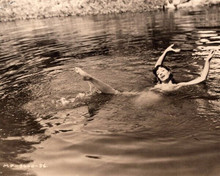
x=11 y=10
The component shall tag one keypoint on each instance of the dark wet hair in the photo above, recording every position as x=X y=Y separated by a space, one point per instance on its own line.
x=158 y=79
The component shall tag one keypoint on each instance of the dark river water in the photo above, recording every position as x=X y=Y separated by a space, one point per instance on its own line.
x=172 y=134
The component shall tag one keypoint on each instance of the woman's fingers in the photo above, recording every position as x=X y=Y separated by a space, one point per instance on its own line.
x=212 y=52
x=171 y=45
x=170 y=48
x=176 y=50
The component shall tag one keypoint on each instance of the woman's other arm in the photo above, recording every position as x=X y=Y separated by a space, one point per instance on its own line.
x=203 y=75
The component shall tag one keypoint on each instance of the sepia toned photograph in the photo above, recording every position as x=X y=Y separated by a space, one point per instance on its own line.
x=109 y=87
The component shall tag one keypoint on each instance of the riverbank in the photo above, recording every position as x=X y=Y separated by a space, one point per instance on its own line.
x=30 y=9
x=11 y=10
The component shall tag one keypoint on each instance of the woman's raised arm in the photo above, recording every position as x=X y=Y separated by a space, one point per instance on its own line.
x=204 y=73
x=162 y=57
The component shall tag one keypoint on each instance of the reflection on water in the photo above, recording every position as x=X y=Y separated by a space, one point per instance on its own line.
x=46 y=130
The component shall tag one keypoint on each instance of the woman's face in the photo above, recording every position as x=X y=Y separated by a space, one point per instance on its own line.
x=163 y=74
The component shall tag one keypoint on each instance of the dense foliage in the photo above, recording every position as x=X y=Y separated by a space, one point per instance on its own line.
x=28 y=9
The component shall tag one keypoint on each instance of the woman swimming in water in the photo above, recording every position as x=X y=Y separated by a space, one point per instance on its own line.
x=164 y=76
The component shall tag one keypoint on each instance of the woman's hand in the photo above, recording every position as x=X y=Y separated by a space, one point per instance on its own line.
x=210 y=55
x=170 y=48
